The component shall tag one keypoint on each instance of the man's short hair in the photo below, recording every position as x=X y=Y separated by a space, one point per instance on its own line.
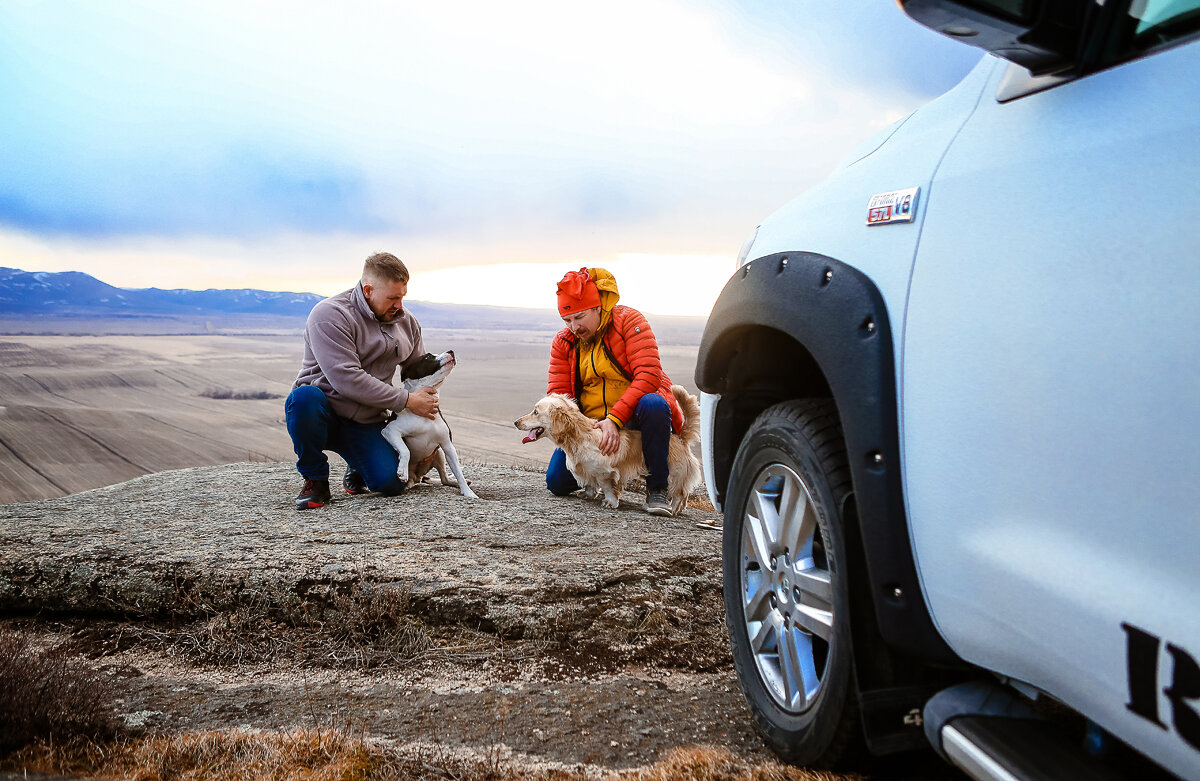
x=384 y=267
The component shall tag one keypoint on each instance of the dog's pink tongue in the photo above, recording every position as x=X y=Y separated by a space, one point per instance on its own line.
x=532 y=436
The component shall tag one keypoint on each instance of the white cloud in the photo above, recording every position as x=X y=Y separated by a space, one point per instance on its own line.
x=685 y=285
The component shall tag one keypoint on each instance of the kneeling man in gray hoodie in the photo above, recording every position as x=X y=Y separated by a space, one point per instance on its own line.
x=353 y=344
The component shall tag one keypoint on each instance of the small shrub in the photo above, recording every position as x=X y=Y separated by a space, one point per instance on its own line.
x=48 y=694
x=225 y=393
x=363 y=627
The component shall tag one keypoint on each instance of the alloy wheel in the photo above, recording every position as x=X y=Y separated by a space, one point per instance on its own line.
x=786 y=595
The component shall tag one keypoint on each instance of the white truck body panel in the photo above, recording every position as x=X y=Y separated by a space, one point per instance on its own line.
x=1050 y=401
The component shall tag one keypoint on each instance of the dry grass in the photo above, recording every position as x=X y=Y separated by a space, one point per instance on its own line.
x=364 y=627
x=303 y=754
x=336 y=755
x=48 y=694
x=701 y=763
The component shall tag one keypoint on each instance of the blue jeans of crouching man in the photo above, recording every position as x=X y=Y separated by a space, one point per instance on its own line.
x=653 y=418
x=315 y=428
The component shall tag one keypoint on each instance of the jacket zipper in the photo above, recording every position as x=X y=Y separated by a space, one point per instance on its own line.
x=603 y=382
x=395 y=342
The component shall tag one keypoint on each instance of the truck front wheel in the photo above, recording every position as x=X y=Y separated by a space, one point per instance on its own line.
x=786 y=595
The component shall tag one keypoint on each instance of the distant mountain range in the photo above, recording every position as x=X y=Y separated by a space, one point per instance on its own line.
x=73 y=294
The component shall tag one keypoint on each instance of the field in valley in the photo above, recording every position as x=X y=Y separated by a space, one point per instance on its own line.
x=85 y=404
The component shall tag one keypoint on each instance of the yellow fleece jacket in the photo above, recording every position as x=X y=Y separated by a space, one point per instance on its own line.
x=603 y=380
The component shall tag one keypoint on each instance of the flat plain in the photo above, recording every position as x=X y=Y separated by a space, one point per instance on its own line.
x=84 y=404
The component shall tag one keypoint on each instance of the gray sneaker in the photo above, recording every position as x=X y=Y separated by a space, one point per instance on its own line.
x=657 y=503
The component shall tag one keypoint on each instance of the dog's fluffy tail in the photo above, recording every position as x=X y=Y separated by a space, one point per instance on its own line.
x=691 y=414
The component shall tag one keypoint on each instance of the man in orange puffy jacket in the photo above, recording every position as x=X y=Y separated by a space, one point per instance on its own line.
x=606 y=358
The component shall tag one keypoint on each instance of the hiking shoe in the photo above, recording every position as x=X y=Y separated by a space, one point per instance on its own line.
x=314 y=494
x=657 y=503
x=353 y=483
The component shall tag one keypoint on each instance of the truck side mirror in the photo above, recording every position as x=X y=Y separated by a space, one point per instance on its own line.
x=1044 y=36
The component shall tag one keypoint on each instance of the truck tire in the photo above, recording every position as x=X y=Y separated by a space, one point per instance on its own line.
x=786 y=594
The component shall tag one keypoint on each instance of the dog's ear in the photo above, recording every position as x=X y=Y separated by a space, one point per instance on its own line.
x=424 y=366
x=560 y=422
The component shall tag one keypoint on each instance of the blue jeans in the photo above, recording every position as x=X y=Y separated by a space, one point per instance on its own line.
x=315 y=428
x=653 y=418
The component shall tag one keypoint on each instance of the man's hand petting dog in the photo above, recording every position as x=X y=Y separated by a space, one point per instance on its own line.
x=424 y=402
x=610 y=436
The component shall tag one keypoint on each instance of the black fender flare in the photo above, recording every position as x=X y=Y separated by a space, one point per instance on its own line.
x=838 y=316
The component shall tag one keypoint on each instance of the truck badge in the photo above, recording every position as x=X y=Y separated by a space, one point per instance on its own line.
x=896 y=206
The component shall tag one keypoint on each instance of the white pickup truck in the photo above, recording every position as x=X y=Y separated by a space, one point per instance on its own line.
x=951 y=413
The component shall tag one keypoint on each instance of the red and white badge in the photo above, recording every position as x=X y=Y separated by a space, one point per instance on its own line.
x=896 y=206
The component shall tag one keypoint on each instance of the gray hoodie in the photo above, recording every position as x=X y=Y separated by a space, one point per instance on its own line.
x=351 y=356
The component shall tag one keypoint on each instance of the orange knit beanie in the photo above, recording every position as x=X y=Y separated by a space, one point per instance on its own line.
x=577 y=292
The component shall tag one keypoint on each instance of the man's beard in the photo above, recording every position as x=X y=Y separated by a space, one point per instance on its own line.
x=586 y=341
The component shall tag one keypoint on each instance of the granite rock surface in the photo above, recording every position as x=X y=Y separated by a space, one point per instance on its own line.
x=519 y=563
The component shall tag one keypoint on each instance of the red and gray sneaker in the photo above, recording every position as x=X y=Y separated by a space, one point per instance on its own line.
x=353 y=483
x=314 y=494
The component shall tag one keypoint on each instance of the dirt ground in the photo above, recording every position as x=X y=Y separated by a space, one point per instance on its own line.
x=545 y=707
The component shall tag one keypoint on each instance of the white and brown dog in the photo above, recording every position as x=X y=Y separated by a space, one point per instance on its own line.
x=423 y=443
x=559 y=418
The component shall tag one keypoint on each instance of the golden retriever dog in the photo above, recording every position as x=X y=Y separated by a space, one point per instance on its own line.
x=558 y=418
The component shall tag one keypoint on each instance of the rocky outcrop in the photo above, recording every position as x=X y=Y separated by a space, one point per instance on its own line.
x=521 y=563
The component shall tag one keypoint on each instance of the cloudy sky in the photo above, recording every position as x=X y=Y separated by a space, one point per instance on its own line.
x=492 y=146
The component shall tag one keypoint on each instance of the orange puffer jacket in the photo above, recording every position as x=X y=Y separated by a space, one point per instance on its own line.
x=631 y=346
